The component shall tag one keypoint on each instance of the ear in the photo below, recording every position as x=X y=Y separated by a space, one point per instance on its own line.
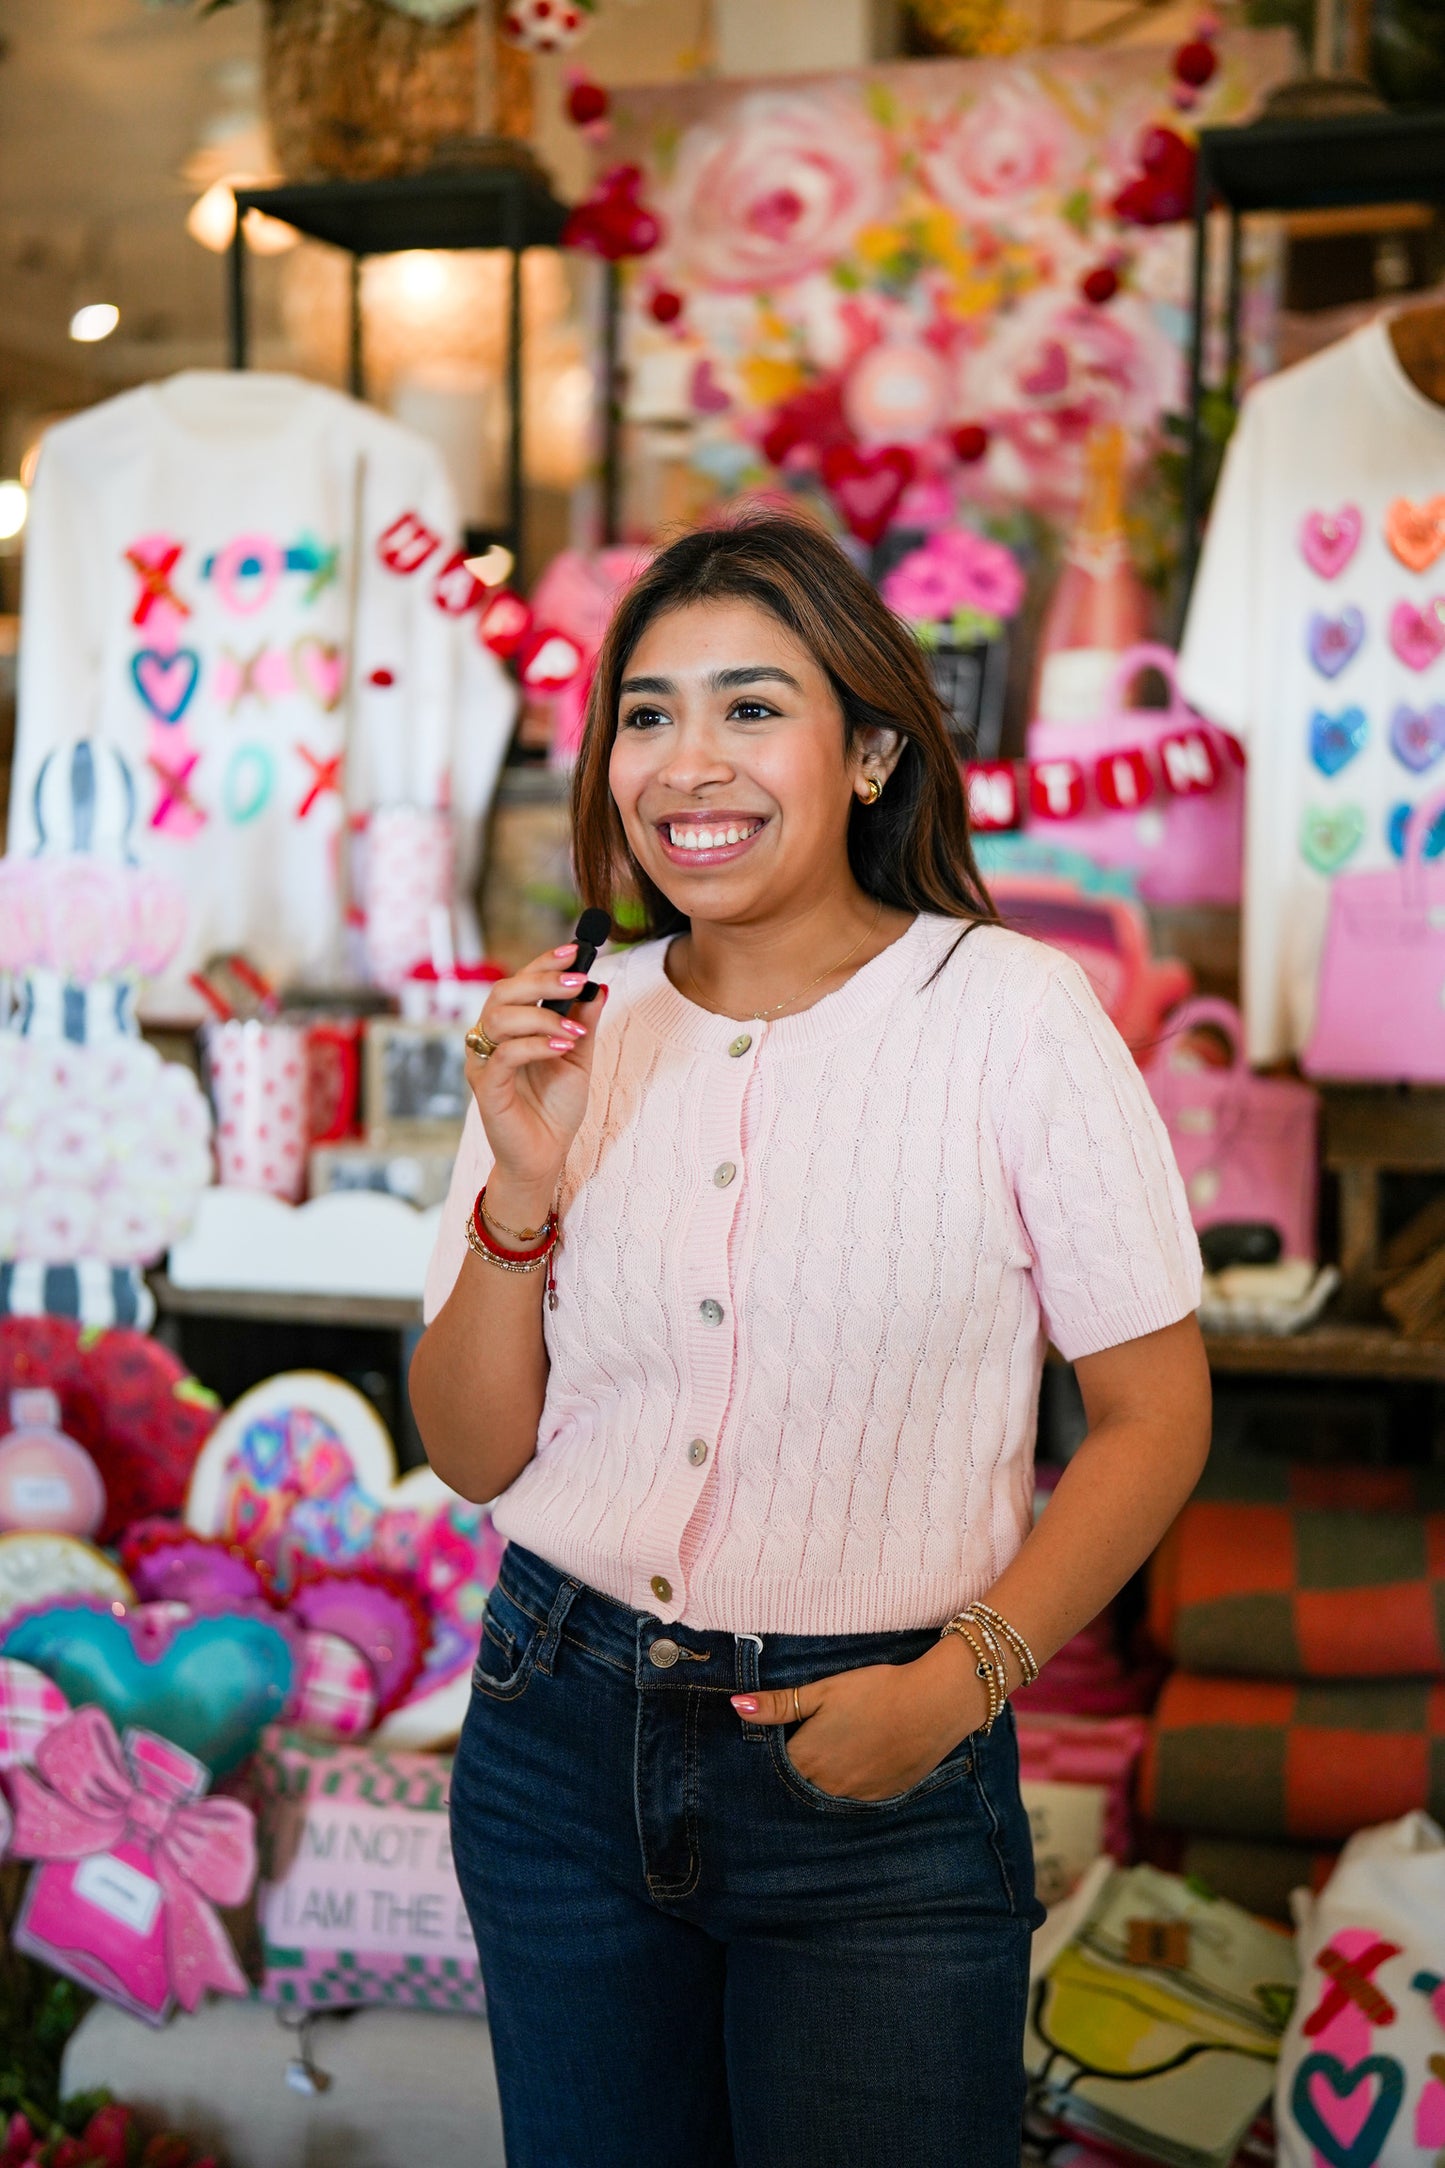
x=876 y=750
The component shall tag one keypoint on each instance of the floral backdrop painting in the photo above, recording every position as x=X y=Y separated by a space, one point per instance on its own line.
x=918 y=285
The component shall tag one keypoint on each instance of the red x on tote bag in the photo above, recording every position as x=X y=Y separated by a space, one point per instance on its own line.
x=1380 y=1007
x=1245 y=1144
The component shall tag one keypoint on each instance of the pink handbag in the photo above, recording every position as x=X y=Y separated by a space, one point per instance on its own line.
x=1178 y=823
x=1246 y=1144
x=1380 y=1008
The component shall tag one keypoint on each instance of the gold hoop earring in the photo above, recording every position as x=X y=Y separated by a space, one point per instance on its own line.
x=875 y=791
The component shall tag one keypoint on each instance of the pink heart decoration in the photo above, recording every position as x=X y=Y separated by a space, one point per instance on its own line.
x=1049 y=374
x=1418 y=636
x=867 y=486
x=706 y=394
x=30 y=1706
x=1329 y=539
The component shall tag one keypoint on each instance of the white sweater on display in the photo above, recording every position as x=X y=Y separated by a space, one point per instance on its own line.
x=807 y=1275
x=192 y=595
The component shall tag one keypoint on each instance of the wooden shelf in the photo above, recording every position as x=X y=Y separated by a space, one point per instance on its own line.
x=271 y=1307
x=1328 y=1351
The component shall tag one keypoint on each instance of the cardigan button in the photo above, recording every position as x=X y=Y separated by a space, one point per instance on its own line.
x=697 y=1452
x=711 y=1312
x=740 y=1045
x=661 y=1588
x=724 y=1174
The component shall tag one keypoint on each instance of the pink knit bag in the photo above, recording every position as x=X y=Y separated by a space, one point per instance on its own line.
x=1246 y=1145
x=1380 y=1007
x=1185 y=838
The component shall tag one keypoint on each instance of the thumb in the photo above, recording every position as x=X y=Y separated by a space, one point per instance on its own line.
x=785 y=1705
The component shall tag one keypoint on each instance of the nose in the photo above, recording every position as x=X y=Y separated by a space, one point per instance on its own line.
x=695 y=757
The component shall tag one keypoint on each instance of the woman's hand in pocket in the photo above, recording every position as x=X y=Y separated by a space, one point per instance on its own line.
x=875 y=1732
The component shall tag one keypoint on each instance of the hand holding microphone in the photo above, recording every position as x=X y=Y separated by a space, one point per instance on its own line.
x=529 y=1064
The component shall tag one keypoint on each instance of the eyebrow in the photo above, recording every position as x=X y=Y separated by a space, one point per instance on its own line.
x=721 y=681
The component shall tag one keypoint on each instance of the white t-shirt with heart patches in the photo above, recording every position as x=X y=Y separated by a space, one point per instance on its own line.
x=1316 y=634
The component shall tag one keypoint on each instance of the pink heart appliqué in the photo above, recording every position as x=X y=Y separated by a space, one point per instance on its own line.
x=867 y=486
x=1329 y=539
x=321 y=668
x=1418 y=636
x=166 y=683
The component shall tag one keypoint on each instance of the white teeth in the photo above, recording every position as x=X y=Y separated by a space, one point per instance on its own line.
x=689 y=838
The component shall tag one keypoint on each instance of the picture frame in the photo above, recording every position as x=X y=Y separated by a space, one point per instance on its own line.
x=416 y=1090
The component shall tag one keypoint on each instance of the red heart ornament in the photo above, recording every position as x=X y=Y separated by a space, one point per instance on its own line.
x=867 y=486
x=504 y=623
x=549 y=661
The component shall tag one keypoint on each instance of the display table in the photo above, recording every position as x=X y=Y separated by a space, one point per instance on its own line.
x=407 y=2086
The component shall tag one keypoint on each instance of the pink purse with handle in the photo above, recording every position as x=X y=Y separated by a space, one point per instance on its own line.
x=1246 y=1144
x=1185 y=842
x=1380 y=1004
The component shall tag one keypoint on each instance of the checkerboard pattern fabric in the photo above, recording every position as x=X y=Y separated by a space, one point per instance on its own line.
x=1285 y=1592
x=302 y=1980
x=30 y=1706
x=334 y=1821
x=1299 y=1759
x=336 y=1691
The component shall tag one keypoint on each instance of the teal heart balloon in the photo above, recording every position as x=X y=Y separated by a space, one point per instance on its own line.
x=210 y=1686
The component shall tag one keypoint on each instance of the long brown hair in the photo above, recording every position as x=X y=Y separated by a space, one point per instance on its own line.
x=911 y=849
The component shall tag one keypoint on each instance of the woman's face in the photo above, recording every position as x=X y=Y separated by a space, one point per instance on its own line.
x=730 y=768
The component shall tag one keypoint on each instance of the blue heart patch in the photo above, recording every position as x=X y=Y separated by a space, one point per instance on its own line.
x=1335 y=739
x=210 y=1688
x=1397 y=822
x=1363 y=2150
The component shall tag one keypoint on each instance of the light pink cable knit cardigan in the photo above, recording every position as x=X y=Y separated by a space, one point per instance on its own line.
x=807 y=1275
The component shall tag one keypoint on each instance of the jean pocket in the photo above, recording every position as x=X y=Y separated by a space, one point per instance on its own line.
x=507 y=1656
x=956 y=1763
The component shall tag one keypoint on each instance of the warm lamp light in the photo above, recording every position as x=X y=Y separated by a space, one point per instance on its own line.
x=211 y=220
x=96 y=321
x=14 y=504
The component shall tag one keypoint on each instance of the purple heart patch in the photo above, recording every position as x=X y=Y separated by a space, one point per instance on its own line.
x=1417 y=736
x=1334 y=640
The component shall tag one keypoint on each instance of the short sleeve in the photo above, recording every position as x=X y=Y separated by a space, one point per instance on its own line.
x=1215 y=670
x=1115 y=1255
x=473 y=1164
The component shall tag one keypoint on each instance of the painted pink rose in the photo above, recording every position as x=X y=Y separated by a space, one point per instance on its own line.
x=776 y=191
x=1012 y=145
x=1057 y=369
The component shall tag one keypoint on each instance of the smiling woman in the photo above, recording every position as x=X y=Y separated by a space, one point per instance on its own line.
x=814 y=1180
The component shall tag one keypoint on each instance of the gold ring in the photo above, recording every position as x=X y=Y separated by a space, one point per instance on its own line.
x=797 y=1712
x=479 y=1044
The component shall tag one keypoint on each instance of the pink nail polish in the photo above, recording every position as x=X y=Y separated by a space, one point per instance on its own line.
x=568 y=948
x=745 y=1704
x=561 y=1046
x=573 y=978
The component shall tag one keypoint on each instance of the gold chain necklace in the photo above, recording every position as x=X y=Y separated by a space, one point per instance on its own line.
x=760 y=1016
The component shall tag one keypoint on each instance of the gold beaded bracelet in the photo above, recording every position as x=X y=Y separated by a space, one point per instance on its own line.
x=990 y=1636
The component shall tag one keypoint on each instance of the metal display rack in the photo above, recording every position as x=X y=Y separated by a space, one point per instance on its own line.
x=1296 y=165
x=503 y=203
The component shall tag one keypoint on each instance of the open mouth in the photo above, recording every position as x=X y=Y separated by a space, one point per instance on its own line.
x=709 y=842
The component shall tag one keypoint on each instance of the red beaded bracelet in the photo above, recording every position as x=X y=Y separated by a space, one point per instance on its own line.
x=485 y=1244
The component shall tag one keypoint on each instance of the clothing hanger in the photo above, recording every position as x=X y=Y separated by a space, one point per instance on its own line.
x=1418 y=337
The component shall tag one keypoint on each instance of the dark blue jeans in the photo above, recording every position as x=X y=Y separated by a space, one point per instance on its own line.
x=693 y=1957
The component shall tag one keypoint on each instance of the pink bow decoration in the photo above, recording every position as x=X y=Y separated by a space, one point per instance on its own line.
x=89 y=1794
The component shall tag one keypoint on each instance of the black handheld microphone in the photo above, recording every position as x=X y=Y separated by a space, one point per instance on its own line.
x=593 y=927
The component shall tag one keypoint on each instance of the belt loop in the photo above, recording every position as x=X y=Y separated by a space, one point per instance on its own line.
x=747 y=1648
x=562 y=1603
